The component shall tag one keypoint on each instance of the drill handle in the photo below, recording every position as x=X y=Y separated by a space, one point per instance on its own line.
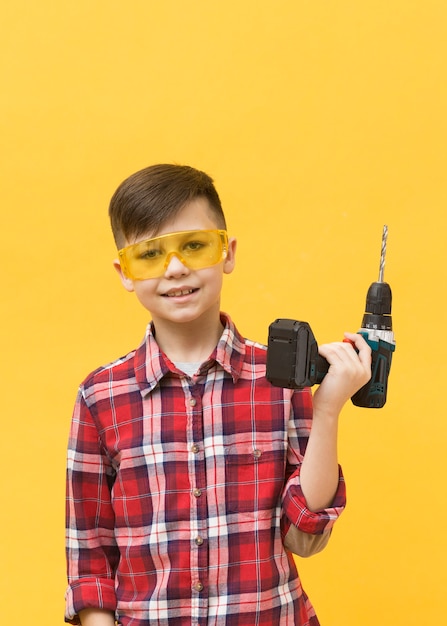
x=373 y=394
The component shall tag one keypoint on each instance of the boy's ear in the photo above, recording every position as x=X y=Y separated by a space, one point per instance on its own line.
x=127 y=282
x=230 y=259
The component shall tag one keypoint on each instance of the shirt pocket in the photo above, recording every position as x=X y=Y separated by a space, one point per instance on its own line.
x=254 y=480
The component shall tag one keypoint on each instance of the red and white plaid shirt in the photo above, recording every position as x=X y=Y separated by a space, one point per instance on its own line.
x=181 y=489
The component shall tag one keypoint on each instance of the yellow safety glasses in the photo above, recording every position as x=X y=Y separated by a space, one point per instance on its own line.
x=196 y=249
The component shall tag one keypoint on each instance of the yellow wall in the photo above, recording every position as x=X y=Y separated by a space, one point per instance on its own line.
x=320 y=122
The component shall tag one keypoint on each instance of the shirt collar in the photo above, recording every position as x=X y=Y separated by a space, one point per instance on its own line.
x=151 y=364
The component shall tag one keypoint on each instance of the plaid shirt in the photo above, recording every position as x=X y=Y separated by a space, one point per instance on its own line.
x=181 y=490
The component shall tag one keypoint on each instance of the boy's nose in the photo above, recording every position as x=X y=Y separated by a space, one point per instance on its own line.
x=174 y=265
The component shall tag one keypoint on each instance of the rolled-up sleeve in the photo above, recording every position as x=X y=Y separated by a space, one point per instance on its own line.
x=92 y=554
x=293 y=501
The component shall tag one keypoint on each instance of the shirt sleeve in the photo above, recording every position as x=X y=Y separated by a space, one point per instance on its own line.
x=92 y=554
x=293 y=502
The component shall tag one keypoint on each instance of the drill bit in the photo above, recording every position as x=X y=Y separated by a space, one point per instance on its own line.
x=383 y=253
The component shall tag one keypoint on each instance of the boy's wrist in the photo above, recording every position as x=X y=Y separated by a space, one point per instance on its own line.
x=96 y=617
x=326 y=413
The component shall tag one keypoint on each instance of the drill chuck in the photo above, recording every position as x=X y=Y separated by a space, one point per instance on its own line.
x=378 y=307
x=378 y=299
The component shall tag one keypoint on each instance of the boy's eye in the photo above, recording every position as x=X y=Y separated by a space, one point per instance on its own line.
x=194 y=246
x=150 y=254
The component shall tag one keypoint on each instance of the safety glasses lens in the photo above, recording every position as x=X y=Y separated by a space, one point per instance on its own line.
x=195 y=249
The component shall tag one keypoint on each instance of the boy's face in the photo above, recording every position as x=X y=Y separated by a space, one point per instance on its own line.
x=183 y=295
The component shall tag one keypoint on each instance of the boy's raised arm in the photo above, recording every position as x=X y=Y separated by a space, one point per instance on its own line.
x=349 y=370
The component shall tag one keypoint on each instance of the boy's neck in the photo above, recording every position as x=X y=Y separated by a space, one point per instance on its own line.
x=191 y=342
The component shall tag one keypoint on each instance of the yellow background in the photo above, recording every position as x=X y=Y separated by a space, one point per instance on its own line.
x=320 y=122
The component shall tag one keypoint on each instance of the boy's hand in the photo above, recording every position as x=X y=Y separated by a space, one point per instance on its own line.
x=350 y=369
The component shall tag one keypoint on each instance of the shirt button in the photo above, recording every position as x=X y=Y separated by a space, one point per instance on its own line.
x=198 y=586
x=197 y=493
x=199 y=541
x=192 y=402
x=195 y=448
x=257 y=453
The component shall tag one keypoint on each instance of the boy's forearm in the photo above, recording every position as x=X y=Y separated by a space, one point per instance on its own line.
x=319 y=474
x=96 y=617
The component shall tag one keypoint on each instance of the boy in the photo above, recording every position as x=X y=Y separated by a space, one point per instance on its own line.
x=187 y=469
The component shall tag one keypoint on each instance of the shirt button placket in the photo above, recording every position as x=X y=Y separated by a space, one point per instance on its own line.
x=199 y=523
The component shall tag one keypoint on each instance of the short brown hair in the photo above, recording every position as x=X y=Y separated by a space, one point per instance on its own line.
x=154 y=195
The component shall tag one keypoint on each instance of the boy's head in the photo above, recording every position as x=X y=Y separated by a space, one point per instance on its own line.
x=153 y=196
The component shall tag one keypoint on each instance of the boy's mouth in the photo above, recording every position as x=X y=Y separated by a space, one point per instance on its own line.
x=178 y=293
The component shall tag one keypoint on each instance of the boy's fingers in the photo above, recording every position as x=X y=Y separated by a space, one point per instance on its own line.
x=360 y=345
x=354 y=350
x=339 y=348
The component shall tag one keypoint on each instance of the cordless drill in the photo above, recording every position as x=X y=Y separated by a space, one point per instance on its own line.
x=292 y=352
